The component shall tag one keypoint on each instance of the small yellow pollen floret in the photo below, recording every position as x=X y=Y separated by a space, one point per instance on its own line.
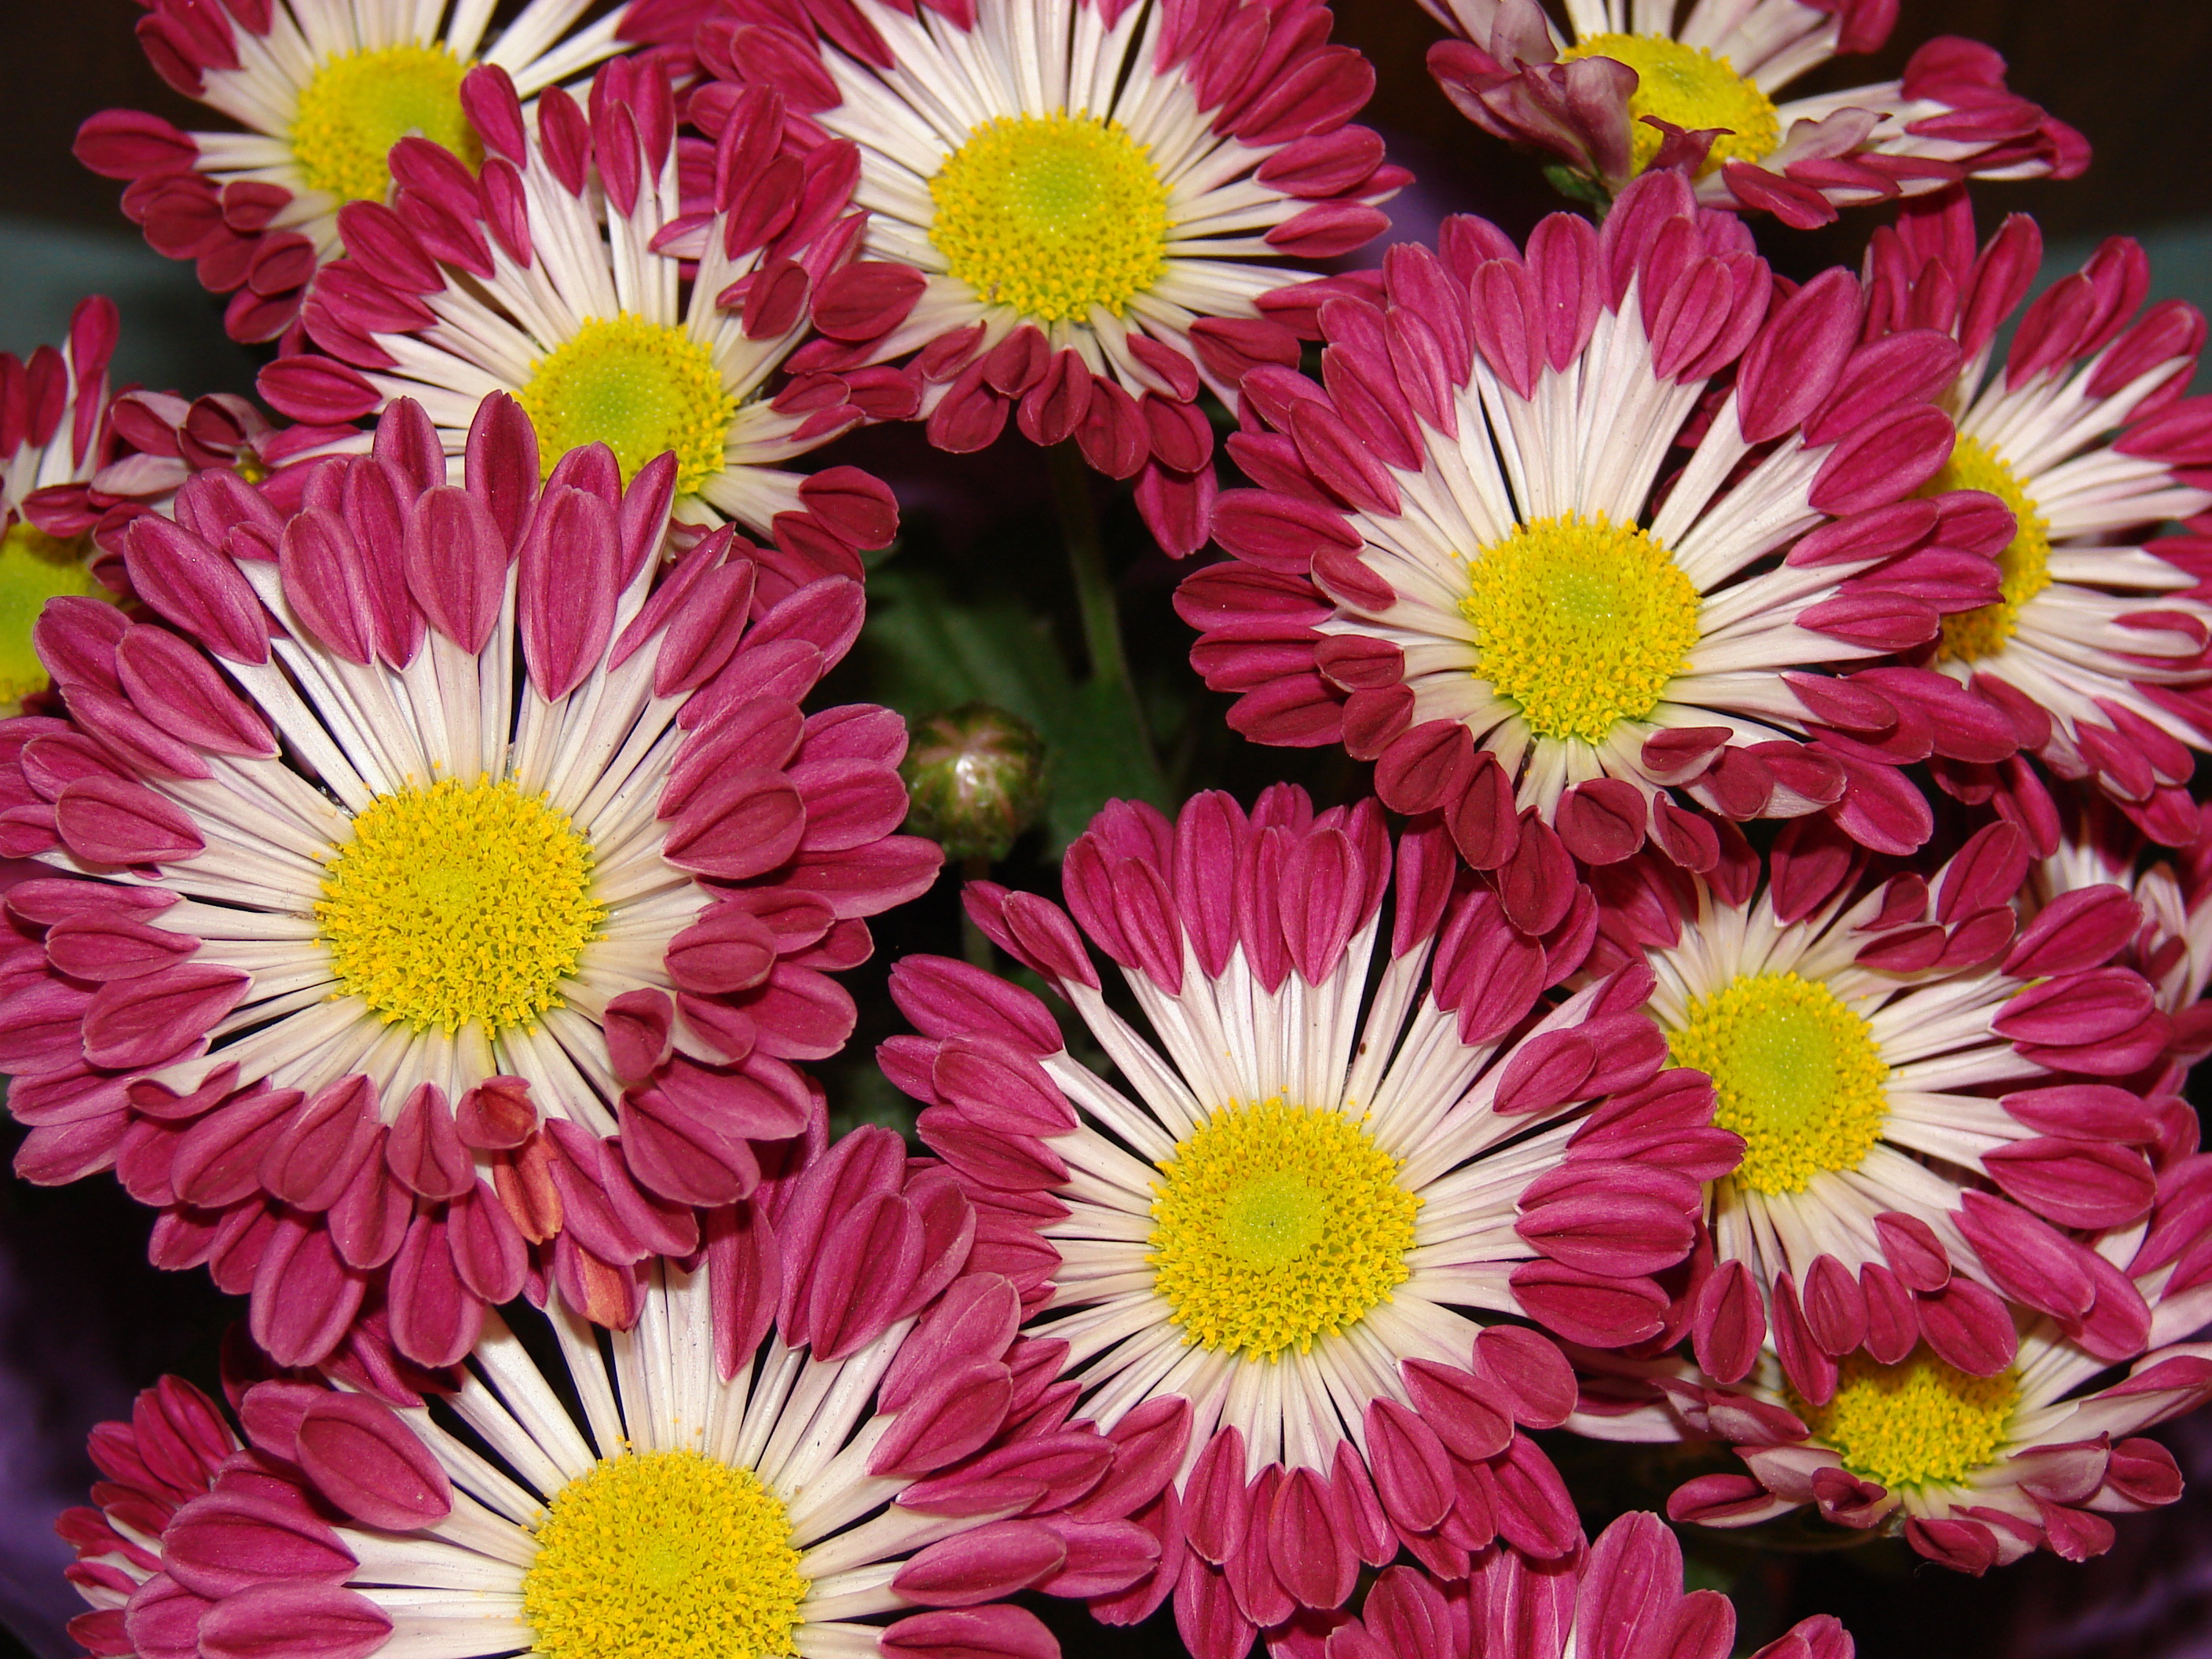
x=1052 y=214
x=1276 y=1225
x=640 y=388
x=1692 y=89
x=665 y=1555
x=35 y=568
x=2023 y=569
x=1917 y=1423
x=1581 y=621
x=358 y=105
x=459 y=901
x=1794 y=1073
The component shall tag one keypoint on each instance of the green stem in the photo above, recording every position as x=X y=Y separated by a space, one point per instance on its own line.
x=1086 y=558
x=1094 y=590
x=975 y=944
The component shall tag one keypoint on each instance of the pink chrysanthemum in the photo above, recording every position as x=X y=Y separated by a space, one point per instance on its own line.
x=2096 y=652
x=152 y=442
x=1621 y=1596
x=173 y=1449
x=1698 y=93
x=1278 y=1227
x=53 y=432
x=1928 y=1093
x=1074 y=206
x=1521 y=553
x=482 y=896
x=815 y=1428
x=1979 y=1470
x=322 y=89
x=572 y=279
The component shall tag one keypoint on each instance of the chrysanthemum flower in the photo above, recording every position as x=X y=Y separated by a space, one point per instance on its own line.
x=1977 y=1470
x=53 y=427
x=1622 y=1595
x=2093 y=651
x=322 y=89
x=1281 y=1224
x=1694 y=88
x=1481 y=558
x=173 y=1449
x=816 y=1426
x=574 y=280
x=481 y=898
x=1927 y=1096
x=1074 y=206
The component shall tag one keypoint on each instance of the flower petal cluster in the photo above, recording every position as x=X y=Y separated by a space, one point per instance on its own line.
x=464 y=878
x=2097 y=650
x=1622 y=1594
x=1421 y=1147
x=1981 y=1471
x=1931 y=1096
x=568 y=274
x=824 y=1394
x=1513 y=550
x=322 y=89
x=1229 y=125
x=1693 y=87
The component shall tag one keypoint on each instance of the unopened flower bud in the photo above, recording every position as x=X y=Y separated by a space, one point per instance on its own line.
x=976 y=775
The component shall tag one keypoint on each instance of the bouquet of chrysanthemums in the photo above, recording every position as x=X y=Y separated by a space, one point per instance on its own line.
x=1590 y=995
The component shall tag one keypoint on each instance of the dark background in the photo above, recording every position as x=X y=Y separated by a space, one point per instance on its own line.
x=84 y=1322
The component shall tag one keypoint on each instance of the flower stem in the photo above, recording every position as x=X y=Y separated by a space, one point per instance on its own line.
x=1094 y=594
x=973 y=944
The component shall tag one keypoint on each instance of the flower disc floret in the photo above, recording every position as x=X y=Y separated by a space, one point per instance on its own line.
x=641 y=388
x=358 y=105
x=1052 y=214
x=1275 y=1225
x=35 y=568
x=2023 y=568
x=666 y=1555
x=1917 y=1423
x=1580 y=621
x=459 y=903
x=1689 y=88
x=1795 y=1072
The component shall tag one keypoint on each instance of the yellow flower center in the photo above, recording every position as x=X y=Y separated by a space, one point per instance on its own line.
x=1794 y=1073
x=2023 y=569
x=358 y=105
x=461 y=901
x=642 y=389
x=666 y=1555
x=35 y=568
x=1692 y=88
x=1052 y=214
x=1275 y=1224
x=1581 y=621
x=1917 y=1423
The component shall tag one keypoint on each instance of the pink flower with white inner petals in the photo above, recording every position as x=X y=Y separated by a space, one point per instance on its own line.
x=1585 y=539
x=465 y=875
x=173 y=1449
x=2096 y=650
x=322 y=89
x=1641 y=85
x=1621 y=1598
x=817 y=1438
x=1074 y=206
x=1928 y=1092
x=1976 y=1471
x=569 y=275
x=1348 y=1148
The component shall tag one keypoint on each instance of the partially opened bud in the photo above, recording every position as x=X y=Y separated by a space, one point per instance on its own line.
x=976 y=775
